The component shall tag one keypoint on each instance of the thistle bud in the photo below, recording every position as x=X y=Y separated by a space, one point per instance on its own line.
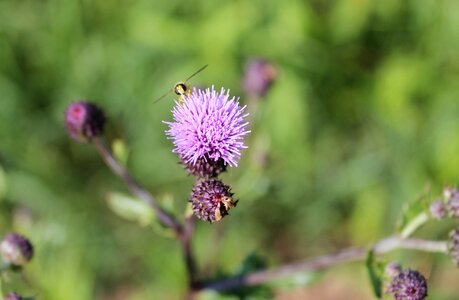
x=452 y=201
x=84 y=121
x=211 y=200
x=258 y=78
x=13 y=296
x=393 y=269
x=438 y=209
x=16 y=249
x=453 y=246
x=408 y=285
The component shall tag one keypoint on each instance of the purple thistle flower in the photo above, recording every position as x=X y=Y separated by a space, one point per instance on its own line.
x=208 y=126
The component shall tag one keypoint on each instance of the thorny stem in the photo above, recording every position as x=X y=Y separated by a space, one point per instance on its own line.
x=323 y=262
x=183 y=232
x=134 y=187
x=188 y=256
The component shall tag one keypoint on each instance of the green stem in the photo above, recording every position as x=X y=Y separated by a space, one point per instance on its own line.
x=414 y=225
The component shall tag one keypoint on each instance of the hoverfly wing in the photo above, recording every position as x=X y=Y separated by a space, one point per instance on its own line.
x=197 y=72
x=167 y=93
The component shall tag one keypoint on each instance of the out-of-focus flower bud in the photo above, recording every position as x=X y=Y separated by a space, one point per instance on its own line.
x=452 y=201
x=453 y=246
x=13 y=296
x=84 y=121
x=438 y=209
x=258 y=78
x=16 y=249
x=393 y=269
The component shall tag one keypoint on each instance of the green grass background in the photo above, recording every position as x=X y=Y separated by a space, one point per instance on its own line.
x=363 y=117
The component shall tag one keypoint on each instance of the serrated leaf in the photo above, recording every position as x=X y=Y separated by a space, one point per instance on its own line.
x=375 y=274
x=130 y=208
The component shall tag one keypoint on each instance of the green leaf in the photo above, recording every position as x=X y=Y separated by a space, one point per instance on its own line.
x=375 y=272
x=130 y=208
x=413 y=216
x=120 y=151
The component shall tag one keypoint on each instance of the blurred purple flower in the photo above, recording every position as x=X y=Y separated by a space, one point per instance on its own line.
x=208 y=126
x=453 y=246
x=258 y=78
x=16 y=249
x=13 y=296
x=438 y=209
x=452 y=201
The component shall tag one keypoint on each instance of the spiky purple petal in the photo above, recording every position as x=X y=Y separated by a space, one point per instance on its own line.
x=208 y=125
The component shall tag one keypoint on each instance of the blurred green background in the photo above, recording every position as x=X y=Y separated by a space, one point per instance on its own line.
x=363 y=118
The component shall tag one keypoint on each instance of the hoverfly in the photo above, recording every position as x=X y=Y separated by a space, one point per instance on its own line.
x=182 y=88
x=223 y=206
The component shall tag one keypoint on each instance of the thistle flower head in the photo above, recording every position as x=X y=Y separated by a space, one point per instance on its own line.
x=211 y=200
x=16 y=249
x=84 y=121
x=208 y=127
x=408 y=285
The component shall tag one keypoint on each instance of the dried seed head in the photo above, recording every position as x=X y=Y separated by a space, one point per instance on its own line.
x=16 y=249
x=211 y=200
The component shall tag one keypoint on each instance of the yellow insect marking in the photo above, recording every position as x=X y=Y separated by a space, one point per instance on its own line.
x=224 y=205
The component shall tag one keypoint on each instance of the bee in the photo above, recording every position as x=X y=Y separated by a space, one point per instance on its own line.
x=182 y=88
